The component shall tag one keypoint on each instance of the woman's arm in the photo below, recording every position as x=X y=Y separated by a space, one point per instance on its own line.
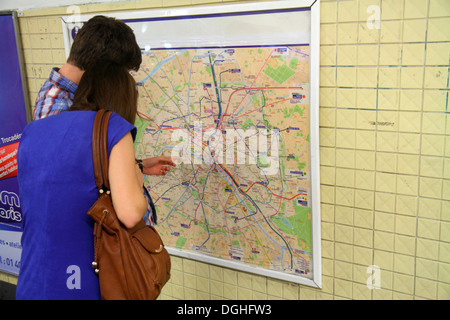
x=126 y=186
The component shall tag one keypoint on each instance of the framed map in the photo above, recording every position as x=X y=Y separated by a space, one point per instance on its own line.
x=231 y=92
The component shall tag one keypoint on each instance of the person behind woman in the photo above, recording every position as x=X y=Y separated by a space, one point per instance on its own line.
x=57 y=186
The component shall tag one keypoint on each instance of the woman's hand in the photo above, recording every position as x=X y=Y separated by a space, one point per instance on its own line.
x=158 y=165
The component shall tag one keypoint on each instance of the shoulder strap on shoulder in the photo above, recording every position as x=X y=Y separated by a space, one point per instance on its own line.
x=100 y=150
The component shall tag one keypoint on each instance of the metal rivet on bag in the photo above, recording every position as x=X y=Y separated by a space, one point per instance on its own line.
x=96 y=271
x=94 y=264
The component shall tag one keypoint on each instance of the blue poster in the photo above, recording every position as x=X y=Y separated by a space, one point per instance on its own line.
x=12 y=122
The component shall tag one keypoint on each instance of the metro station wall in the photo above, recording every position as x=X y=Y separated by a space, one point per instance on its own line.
x=384 y=146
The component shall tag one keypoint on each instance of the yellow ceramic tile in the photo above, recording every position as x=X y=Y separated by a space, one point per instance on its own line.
x=145 y=4
x=366 y=77
x=404 y=264
x=230 y=276
x=391 y=9
x=410 y=100
x=364 y=6
x=431 y=166
x=433 y=123
x=345 y=138
x=413 y=54
x=427 y=249
x=443 y=272
x=425 y=288
x=385 y=182
x=365 y=140
x=345 y=178
x=368 y=35
x=328 y=34
x=328 y=12
x=384 y=260
x=412 y=77
x=346 y=98
x=364 y=179
x=173 y=3
x=347 y=11
x=275 y=287
x=388 y=99
x=414 y=30
x=216 y=288
x=385 y=202
x=427 y=269
x=428 y=228
x=364 y=199
x=406 y=205
x=403 y=283
x=405 y=225
x=405 y=244
x=443 y=291
x=344 y=196
x=439 y=8
x=345 y=118
x=327 y=194
x=387 y=141
x=43 y=25
x=368 y=54
x=343 y=270
x=409 y=121
x=429 y=208
x=347 y=33
x=229 y=291
x=346 y=55
x=364 y=160
x=446 y=189
x=409 y=143
x=436 y=78
x=432 y=145
x=386 y=162
x=384 y=222
x=54 y=25
x=366 y=98
x=407 y=184
x=343 y=288
x=327 y=97
x=438 y=53
x=327 y=76
x=390 y=54
x=363 y=238
x=327 y=117
x=389 y=77
x=444 y=252
x=327 y=137
x=290 y=292
x=415 y=9
x=438 y=29
x=430 y=187
x=408 y=164
x=327 y=55
x=391 y=31
x=327 y=156
x=346 y=77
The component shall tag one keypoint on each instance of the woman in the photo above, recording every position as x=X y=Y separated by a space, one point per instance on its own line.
x=57 y=235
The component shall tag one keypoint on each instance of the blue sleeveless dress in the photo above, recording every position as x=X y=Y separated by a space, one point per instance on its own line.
x=57 y=188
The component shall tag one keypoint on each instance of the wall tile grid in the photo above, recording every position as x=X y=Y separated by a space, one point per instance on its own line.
x=384 y=147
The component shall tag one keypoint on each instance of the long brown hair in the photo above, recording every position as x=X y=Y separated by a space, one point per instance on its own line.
x=107 y=86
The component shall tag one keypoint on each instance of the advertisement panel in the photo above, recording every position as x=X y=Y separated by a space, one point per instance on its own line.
x=13 y=119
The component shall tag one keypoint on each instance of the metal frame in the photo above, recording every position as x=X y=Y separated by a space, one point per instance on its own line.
x=314 y=7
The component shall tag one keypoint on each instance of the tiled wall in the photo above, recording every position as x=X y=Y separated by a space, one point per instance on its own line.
x=384 y=144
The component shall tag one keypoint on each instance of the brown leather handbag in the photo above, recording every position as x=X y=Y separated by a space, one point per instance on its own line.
x=132 y=264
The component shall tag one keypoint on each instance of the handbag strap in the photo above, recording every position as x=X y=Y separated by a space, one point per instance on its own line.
x=100 y=150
